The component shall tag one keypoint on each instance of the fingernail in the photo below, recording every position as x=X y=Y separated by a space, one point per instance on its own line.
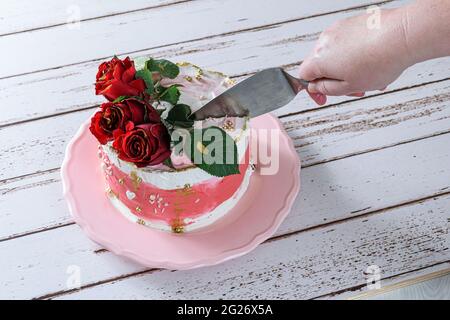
x=312 y=88
x=319 y=98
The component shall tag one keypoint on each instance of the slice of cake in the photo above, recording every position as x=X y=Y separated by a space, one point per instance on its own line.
x=164 y=170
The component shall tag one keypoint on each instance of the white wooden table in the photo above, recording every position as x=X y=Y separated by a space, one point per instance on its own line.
x=376 y=170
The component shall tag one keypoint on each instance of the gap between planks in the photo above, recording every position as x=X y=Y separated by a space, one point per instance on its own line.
x=242 y=77
x=270 y=25
x=356 y=215
x=277 y=238
x=3 y=182
x=390 y=287
x=97 y=17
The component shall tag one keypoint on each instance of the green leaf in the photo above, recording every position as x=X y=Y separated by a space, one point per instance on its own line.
x=168 y=162
x=146 y=75
x=178 y=116
x=166 y=68
x=120 y=99
x=171 y=94
x=214 y=151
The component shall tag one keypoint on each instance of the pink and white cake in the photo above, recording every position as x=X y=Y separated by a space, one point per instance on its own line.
x=153 y=178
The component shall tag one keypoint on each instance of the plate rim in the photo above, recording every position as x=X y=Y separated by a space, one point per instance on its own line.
x=225 y=255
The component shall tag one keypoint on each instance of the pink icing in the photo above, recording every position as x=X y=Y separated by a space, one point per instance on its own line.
x=149 y=202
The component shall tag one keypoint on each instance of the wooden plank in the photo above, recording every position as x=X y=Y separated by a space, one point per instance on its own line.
x=71 y=88
x=337 y=190
x=19 y=15
x=389 y=119
x=45 y=209
x=323 y=199
x=434 y=289
x=117 y=34
x=370 y=124
x=395 y=282
x=304 y=265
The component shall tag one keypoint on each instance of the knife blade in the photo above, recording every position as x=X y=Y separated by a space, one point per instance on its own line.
x=261 y=93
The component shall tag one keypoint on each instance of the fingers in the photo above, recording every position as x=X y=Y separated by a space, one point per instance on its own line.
x=309 y=70
x=318 y=98
x=357 y=94
x=330 y=87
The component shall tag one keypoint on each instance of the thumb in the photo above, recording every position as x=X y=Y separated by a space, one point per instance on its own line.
x=309 y=70
x=329 y=87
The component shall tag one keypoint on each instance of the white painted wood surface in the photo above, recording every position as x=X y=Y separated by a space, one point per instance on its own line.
x=376 y=174
x=20 y=16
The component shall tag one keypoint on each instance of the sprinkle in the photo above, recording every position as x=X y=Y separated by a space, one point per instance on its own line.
x=178 y=229
x=141 y=222
x=197 y=201
x=228 y=125
x=135 y=180
x=188 y=78
x=130 y=195
x=121 y=181
x=138 y=209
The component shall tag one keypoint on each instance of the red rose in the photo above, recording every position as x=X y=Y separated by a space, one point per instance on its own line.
x=113 y=116
x=145 y=144
x=117 y=78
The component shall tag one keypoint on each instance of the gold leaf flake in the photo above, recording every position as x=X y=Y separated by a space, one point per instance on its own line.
x=135 y=180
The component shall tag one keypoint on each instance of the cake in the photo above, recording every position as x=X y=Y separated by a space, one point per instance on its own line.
x=162 y=169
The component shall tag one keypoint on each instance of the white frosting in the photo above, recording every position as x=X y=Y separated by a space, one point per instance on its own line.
x=197 y=88
x=194 y=93
x=191 y=224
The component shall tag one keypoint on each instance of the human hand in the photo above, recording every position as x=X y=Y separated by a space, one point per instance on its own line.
x=350 y=58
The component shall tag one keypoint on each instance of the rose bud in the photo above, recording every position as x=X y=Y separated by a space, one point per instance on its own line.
x=116 y=78
x=143 y=145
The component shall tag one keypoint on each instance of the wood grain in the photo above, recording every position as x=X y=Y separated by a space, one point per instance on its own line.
x=20 y=16
x=117 y=34
x=375 y=170
x=340 y=190
x=389 y=119
x=308 y=264
x=328 y=192
x=434 y=289
x=400 y=280
x=71 y=88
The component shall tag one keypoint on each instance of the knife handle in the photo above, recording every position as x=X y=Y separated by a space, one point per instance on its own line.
x=296 y=84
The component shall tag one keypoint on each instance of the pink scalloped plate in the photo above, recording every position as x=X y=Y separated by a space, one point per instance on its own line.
x=254 y=219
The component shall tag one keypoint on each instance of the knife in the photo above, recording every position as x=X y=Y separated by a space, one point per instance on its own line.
x=261 y=93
